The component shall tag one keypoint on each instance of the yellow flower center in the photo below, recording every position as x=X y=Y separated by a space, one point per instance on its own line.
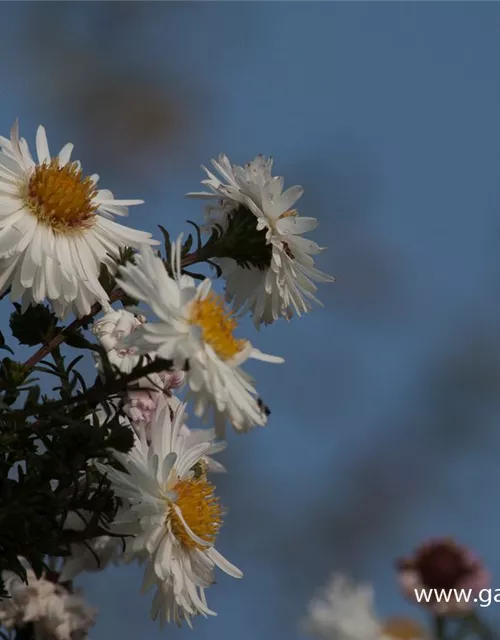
x=200 y=509
x=217 y=326
x=61 y=198
x=401 y=628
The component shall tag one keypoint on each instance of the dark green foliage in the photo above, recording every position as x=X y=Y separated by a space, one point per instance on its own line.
x=48 y=446
x=45 y=473
x=107 y=279
x=37 y=325
x=77 y=340
x=3 y=345
x=12 y=376
x=241 y=241
x=167 y=243
x=186 y=247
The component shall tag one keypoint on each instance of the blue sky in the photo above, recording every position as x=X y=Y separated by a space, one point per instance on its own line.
x=385 y=416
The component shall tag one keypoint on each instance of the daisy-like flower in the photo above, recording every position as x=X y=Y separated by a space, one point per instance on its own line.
x=272 y=270
x=55 y=612
x=171 y=512
x=193 y=327
x=345 y=611
x=56 y=227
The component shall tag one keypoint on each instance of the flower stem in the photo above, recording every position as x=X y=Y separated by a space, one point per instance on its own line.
x=61 y=337
x=439 y=628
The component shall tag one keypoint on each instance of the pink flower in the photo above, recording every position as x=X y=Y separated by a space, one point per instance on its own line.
x=443 y=564
x=141 y=403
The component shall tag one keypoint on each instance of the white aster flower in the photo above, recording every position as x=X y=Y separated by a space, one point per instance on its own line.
x=273 y=278
x=56 y=613
x=172 y=514
x=110 y=331
x=95 y=555
x=344 y=610
x=194 y=327
x=56 y=227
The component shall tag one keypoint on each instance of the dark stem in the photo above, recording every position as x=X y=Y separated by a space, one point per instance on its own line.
x=439 y=627
x=61 y=337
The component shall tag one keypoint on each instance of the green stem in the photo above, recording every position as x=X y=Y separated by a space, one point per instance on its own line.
x=65 y=390
x=439 y=628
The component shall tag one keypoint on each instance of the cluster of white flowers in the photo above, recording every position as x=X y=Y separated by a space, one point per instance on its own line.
x=56 y=232
x=56 y=613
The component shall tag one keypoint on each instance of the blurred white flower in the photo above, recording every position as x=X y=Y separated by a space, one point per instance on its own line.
x=195 y=332
x=273 y=277
x=110 y=330
x=56 y=227
x=344 y=610
x=172 y=514
x=56 y=613
x=95 y=555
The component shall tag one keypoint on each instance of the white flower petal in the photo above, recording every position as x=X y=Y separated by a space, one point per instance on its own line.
x=42 y=146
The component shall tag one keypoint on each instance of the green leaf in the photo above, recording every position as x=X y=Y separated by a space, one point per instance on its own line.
x=3 y=345
x=33 y=397
x=121 y=438
x=106 y=280
x=198 y=233
x=13 y=373
x=127 y=301
x=77 y=340
x=168 y=243
x=187 y=246
x=127 y=254
x=37 y=325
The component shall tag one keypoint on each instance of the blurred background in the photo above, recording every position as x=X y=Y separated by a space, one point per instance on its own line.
x=386 y=416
